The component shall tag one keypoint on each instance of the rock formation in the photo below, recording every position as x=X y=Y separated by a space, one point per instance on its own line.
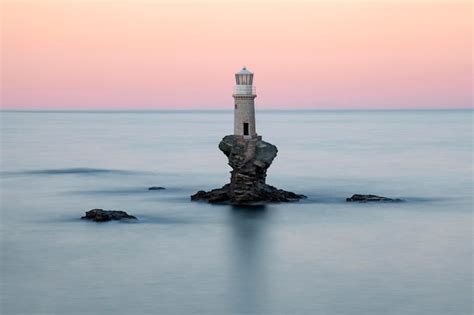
x=249 y=159
x=100 y=215
x=370 y=198
x=156 y=188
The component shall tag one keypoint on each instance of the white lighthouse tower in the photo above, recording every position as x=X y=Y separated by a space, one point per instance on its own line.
x=244 y=113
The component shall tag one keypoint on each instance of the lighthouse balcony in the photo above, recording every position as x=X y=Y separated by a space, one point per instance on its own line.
x=244 y=90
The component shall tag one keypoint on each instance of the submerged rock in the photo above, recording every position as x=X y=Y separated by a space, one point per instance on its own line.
x=370 y=198
x=156 y=188
x=100 y=215
x=249 y=159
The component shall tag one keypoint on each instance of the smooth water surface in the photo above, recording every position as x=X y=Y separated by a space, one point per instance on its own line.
x=319 y=256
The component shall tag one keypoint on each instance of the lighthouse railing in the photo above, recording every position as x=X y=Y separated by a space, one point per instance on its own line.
x=244 y=90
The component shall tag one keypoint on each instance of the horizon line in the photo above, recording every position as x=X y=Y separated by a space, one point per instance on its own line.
x=224 y=109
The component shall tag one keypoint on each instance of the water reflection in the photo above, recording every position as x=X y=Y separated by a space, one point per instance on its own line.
x=247 y=244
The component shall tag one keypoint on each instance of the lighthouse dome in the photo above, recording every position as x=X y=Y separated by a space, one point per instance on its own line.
x=244 y=71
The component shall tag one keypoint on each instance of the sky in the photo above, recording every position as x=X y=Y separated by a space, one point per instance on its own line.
x=144 y=54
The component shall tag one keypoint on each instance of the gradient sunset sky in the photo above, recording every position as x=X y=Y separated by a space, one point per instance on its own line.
x=137 y=54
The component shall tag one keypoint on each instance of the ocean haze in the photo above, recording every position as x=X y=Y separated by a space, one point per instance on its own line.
x=318 y=256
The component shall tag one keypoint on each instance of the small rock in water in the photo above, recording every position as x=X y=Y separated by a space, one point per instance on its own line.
x=100 y=215
x=156 y=188
x=370 y=198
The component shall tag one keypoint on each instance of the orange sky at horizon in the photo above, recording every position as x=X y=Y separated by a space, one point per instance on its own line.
x=314 y=54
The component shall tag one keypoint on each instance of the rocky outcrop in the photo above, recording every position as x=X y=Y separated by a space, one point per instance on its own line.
x=371 y=198
x=100 y=215
x=156 y=188
x=249 y=159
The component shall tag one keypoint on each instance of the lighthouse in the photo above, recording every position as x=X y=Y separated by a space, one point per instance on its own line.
x=244 y=107
x=249 y=156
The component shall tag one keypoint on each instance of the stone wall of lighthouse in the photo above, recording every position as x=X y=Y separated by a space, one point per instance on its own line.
x=244 y=115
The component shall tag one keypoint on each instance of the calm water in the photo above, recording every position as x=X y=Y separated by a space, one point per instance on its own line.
x=320 y=256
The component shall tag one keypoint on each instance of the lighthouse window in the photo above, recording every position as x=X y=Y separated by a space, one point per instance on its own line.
x=246 y=129
x=235 y=106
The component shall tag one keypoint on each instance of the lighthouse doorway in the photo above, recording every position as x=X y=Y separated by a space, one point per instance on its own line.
x=246 y=129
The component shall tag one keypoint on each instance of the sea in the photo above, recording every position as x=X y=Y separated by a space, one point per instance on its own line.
x=321 y=255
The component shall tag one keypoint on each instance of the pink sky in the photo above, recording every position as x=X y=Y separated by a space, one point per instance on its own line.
x=137 y=54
